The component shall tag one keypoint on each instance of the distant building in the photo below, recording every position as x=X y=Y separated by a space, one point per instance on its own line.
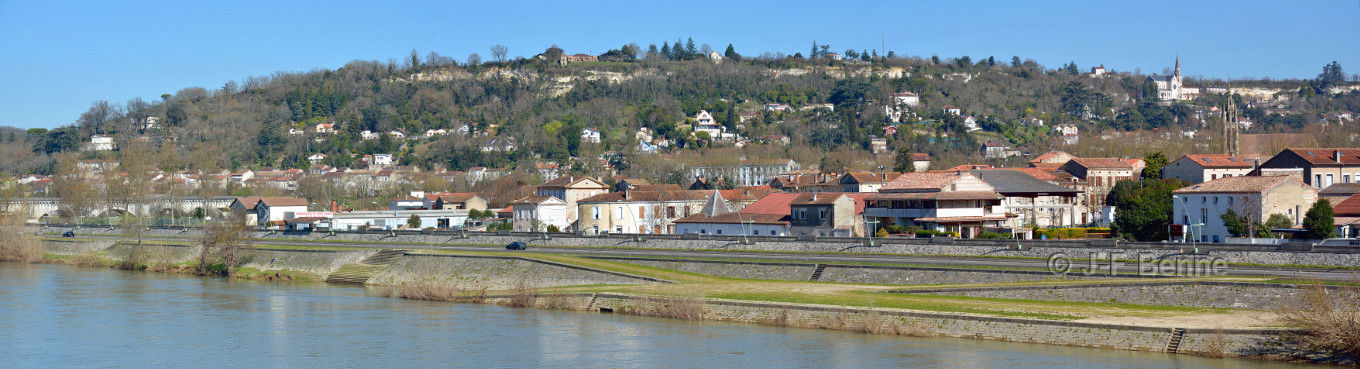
x=100 y=143
x=590 y=135
x=1320 y=167
x=537 y=213
x=1198 y=209
x=1199 y=168
x=748 y=173
x=715 y=56
x=827 y=215
x=878 y=145
x=1170 y=87
x=576 y=58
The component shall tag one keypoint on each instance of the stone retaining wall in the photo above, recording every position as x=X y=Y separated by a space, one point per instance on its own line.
x=1237 y=295
x=489 y=272
x=842 y=273
x=904 y=247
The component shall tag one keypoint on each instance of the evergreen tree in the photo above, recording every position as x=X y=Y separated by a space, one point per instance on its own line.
x=1155 y=162
x=666 y=50
x=1319 y=220
x=690 y=51
x=731 y=53
x=813 y=54
x=1015 y=62
x=902 y=162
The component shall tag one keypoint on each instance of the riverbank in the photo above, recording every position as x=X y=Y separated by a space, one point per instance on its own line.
x=878 y=299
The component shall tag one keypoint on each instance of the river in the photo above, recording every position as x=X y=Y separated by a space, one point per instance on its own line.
x=55 y=316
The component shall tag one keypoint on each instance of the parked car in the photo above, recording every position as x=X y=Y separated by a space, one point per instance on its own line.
x=68 y=234
x=516 y=246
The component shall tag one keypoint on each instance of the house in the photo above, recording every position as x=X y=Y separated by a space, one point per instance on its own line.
x=399 y=219
x=1070 y=132
x=748 y=172
x=500 y=144
x=1100 y=174
x=576 y=58
x=590 y=135
x=1097 y=72
x=538 y=214
x=650 y=212
x=378 y=160
x=956 y=202
x=715 y=56
x=241 y=176
x=997 y=150
x=572 y=189
x=368 y=135
x=296 y=131
x=416 y=201
x=1320 y=167
x=950 y=109
x=865 y=181
x=397 y=134
x=548 y=171
x=429 y=133
x=777 y=107
x=827 y=215
x=1197 y=210
x=1199 y=168
x=100 y=143
x=971 y=123
x=325 y=128
x=703 y=122
x=455 y=201
x=905 y=99
x=806 y=181
x=1038 y=203
x=1051 y=159
x=878 y=145
x=268 y=211
x=1339 y=191
x=316 y=158
x=1346 y=216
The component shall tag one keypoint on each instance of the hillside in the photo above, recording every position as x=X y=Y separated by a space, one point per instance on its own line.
x=519 y=112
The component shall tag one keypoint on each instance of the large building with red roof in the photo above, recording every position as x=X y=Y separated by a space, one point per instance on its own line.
x=1198 y=209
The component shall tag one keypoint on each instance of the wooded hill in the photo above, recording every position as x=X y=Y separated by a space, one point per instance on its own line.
x=544 y=105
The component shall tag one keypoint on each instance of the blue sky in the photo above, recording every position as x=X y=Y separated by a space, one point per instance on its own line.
x=58 y=57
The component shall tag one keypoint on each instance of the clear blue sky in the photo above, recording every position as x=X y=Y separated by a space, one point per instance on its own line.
x=58 y=57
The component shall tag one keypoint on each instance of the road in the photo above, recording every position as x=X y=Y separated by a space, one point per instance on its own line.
x=1077 y=262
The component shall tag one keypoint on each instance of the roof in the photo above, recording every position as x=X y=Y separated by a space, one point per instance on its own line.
x=715 y=205
x=774 y=203
x=1219 y=161
x=1327 y=156
x=1102 y=163
x=568 y=181
x=816 y=198
x=284 y=201
x=626 y=196
x=1341 y=189
x=534 y=200
x=736 y=218
x=922 y=181
x=452 y=196
x=1015 y=181
x=1348 y=207
x=868 y=177
x=1238 y=184
x=951 y=195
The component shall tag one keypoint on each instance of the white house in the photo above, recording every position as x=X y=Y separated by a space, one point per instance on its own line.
x=1198 y=168
x=906 y=99
x=399 y=219
x=368 y=135
x=268 y=211
x=100 y=143
x=537 y=213
x=379 y=160
x=715 y=56
x=590 y=135
x=316 y=158
x=1197 y=210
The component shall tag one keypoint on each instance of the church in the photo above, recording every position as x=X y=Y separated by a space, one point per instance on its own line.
x=1169 y=87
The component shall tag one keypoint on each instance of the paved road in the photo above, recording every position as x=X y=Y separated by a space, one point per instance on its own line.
x=1078 y=262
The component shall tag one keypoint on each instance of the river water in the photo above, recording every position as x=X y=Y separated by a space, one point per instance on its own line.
x=57 y=316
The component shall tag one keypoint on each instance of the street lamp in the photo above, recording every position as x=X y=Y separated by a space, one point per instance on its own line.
x=873 y=224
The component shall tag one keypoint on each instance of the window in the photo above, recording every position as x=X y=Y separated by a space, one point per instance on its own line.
x=618 y=212
x=755 y=232
x=1203 y=216
x=1328 y=182
x=1317 y=180
x=821 y=214
x=595 y=212
x=772 y=232
x=642 y=212
x=1346 y=178
x=1215 y=200
x=1230 y=200
x=670 y=211
x=717 y=231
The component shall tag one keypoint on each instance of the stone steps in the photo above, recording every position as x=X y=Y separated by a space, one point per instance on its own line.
x=1173 y=345
x=817 y=273
x=361 y=272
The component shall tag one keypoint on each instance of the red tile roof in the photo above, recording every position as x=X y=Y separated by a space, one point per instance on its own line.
x=1349 y=207
x=1219 y=161
x=774 y=203
x=1103 y=163
x=1327 y=156
x=736 y=218
x=922 y=181
x=1239 y=184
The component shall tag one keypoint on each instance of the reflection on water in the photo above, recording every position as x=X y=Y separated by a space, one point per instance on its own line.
x=56 y=316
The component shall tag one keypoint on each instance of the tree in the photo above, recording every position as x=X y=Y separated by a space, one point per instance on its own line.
x=1275 y=221
x=1331 y=75
x=413 y=222
x=731 y=53
x=902 y=162
x=1236 y=224
x=474 y=59
x=1155 y=162
x=499 y=52
x=414 y=59
x=1144 y=208
x=225 y=240
x=1318 y=221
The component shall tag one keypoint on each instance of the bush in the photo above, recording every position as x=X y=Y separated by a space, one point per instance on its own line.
x=930 y=233
x=993 y=236
x=895 y=228
x=553 y=228
x=882 y=232
x=1328 y=321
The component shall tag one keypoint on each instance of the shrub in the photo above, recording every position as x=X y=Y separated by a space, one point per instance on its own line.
x=895 y=228
x=553 y=228
x=882 y=232
x=1328 y=321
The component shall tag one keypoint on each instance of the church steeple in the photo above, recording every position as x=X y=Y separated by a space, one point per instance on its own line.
x=1178 y=65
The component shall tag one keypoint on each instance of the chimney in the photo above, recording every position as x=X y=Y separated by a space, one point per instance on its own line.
x=814 y=197
x=1336 y=155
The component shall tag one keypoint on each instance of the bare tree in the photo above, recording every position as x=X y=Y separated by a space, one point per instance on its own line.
x=474 y=59
x=225 y=240
x=499 y=52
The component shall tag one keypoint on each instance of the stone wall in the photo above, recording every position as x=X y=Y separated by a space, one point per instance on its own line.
x=1039 y=249
x=1237 y=342
x=842 y=273
x=490 y=272
x=1237 y=295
